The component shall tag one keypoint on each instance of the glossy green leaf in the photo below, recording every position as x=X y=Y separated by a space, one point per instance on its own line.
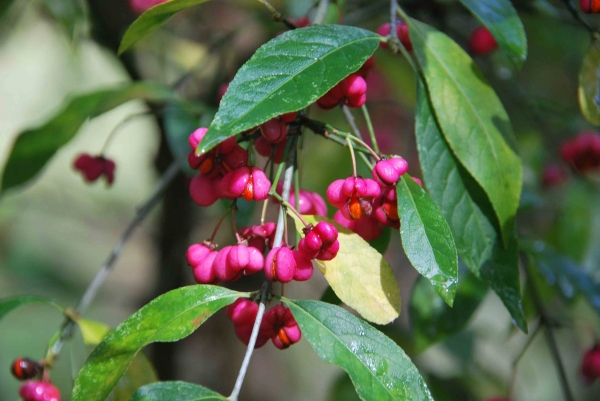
x=138 y=374
x=7 y=305
x=360 y=276
x=472 y=119
x=287 y=74
x=563 y=273
x=501 y=18
x=176 y=391
x=378 y=368
x=468 y=213
x=426 y=238
x=170 y=317
x=589 y=85
x=33 y=148
x=432 y=320
x=92 y=332
x=153 y=19
x=343 y=390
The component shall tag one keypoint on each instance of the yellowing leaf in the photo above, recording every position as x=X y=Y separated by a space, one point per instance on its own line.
x=92 y=332
x=360 y=276
x=589 y=85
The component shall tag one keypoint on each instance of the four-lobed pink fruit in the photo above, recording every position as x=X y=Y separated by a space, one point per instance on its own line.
x=94 y=167
x=320 y=242
x=353 y=196
x=402 y=32
x=39 y=391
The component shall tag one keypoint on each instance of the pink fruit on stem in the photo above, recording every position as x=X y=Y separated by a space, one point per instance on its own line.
x=94 y=167
x=388 y=171
x=590 y=365
x=280 y=265
x=401 y=30
x=282 y=323
x=274 y=130
x=482 y=41
x=39 y=391
x=320 y=242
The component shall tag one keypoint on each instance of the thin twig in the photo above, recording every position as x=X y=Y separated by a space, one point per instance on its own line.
x=370 y=128
x=575 y=13
x=351 y=121
x=549 y=332
x=92 y=290
x=513 y=376
x=285 y=194
x=321 y=12
x=352 y=155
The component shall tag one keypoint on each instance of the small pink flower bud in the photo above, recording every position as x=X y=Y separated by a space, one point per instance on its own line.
x=280 y=265
x=196 y=137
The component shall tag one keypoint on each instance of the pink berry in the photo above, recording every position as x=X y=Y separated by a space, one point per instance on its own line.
x=201 y=258
x=369 y=229
x=221 y=267
x=93 y=168
x=418 y=181
x=320 y=242
x=364 y=70
x=553 y=175
x=222 y=90
x=266 y=149
x=328 y=101
x=388 y=172
x=385 y=208
x=582 y=153
x=245 y=258
x=280 y=265
x=243 y=314
x=288 y=117
x=304 y=266
x=39 y=391
x=401 y=30
x=140 y=6
x=590 y=366
x=202 y=190
x=259 y=236
x=245 y=182
x=283 y=325
x=196 y=137
x=274 y=130
x=482 y=41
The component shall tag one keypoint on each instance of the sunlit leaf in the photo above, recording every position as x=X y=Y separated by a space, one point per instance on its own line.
x=170 y=317
x=472 y=120
x=426 y=238
x=153 y=19
x=360 y=276
x=176 y=391
x=501 y=18
x=288 y=73
x=468 y=212
x=34 y=147
x=92 y=332
x=377 y=366
x=589 y=84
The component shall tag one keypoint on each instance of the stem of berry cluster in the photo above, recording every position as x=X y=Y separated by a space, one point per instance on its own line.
x=119 y=125
x=549 y=332
x=92 y=290
x=370 y=128
x=288 y=178
x=513 y=376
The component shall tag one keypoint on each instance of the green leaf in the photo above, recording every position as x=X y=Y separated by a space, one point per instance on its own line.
x=330 y=297
x=7 y=305
x=432 y=320
x=564 y=273
x=472 y=120
x=153 y=19
x=288 y=73
x=170 y=317
x=501 y=18
x=382 y=242
x=467 y=212
x=92 y=332
x=33 y=148
x=343 y=390
x=378 y=368
x=426 y=238
x=359 y=275
x=176 y=391
x=589 y=85
x=138 y=374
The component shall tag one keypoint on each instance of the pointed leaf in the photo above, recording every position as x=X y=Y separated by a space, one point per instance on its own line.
x=379 y=369
x=501 y=18
x=589 y=85
x=176 y=391
x=468 y=213
x=7 y=305
x=287 y=74
x=360 y=276
x=472 y=119
x=33 y=148
x=138 y=374
x=426 y=238
x=92 y=332
x=432 y=320
x=153 y=19
x=170 y=317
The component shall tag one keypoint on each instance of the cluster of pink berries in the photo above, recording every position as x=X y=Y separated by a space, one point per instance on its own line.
x=366 y=205
x=582 y=153
x=278 y=324
x=351 y=91
x=401 y=32
x=224 y=173
x=94 y=167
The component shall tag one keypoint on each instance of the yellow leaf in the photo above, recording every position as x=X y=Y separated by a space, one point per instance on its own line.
x=360 y=276
x=92 y=332
x=589 y=85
